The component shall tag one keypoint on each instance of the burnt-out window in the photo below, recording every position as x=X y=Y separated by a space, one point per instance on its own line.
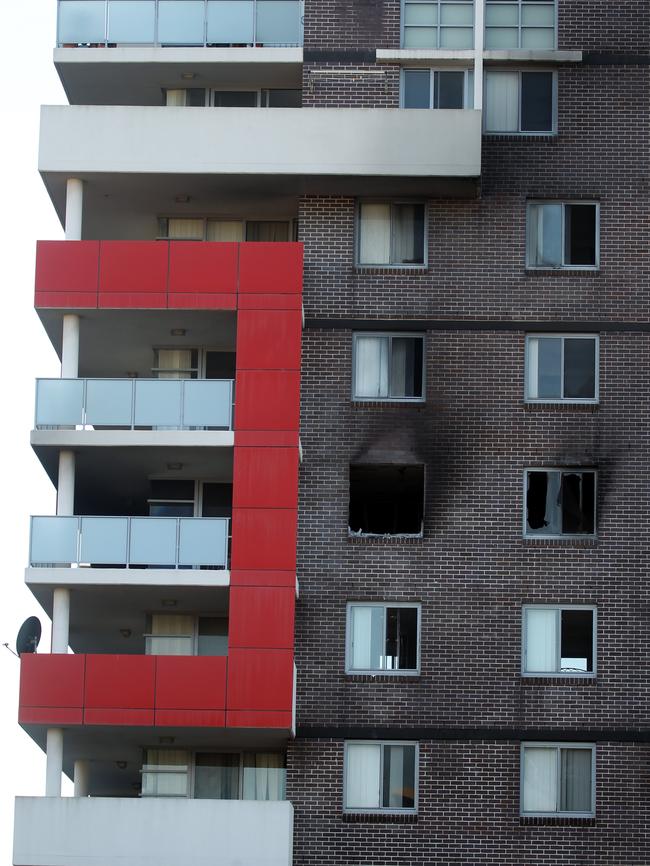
x=382 y=638
x=562 y=235
x=386 y=499
x=559 y=641
x=562 y=368
x=388 y=367
x=560 y=502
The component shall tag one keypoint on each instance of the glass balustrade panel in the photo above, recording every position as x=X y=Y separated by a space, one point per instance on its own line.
x=207 y=403
x=153 y=541
x=53 y=540
x=181 y=22
x=278 y=22
x=132 y=22
x=158 y=403
x=104 y=540
x=81 y=22
x=230 y=22
x=59 y=402
x=109 y=402
x=203 y=541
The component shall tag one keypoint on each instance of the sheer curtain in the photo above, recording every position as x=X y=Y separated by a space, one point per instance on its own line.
x=216 y=776
x=175 y=97
x=371 y=366
x=544 y=235
x=541 y=640
x=502 y=101
x=408 y=234
x=225 y=230
x=540 y=779
x=575 y=791
x=165 y=773
x=264 y=776
x=367 y=637
x=362 y=776
x=174 y=363
x=374 y=234
x=267 y=230
x=185 y=229
x=171 y=635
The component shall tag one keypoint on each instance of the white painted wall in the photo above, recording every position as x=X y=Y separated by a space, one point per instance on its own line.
x=102 y=831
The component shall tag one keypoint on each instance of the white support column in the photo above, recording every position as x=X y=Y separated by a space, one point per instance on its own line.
x=54 y=762
x=479 y=31
x=65 y=486
x=81 y=778
x=60 y=620
x=74 y=199
x=70 y=347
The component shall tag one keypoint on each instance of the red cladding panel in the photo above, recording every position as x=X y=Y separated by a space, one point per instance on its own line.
x=265 y=478
x=268 y=339
x=67 y=266
x=270 y=268
x=264 y=538
x=189 y=301
x=191 y=718
x=190 y=683
x=50 y=716
x=132 y=300
x=120 y=682
x=267 y=400
x=202 y=267
x=263 y=578
x=260 y=680
x=66 y=300
x=252 y=719
x=270 y=302
x=267 y=438
x=261 y=617
x=51 y=680
x=133 y=266
x=119 y=717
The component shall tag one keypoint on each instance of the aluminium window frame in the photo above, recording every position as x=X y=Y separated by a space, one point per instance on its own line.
x=560 y=673
x=564 y=203
x=588 y=401
x=292 y=222
x=385 y=605
x=382 y=810
x=194 y=637
x=519 y=4
x=391 y=266
x=438 y=26
x=554 y=744
x=468 y=89
x=390 y=335
x=566 y=536
x=523 y=133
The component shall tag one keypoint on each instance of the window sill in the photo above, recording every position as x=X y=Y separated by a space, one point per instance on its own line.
x=562 y=272
x=399 y=270
x=387 y=404
x=385 y=539
x=521 y=136
x=560 y=406
x=558 y=679
x=383 y=676
x=557 y=821
x=569 y=541
x=378 y=818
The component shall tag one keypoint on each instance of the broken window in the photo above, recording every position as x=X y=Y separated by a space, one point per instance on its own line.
x=388 y=367
x=382 y=637
x=560 y=502
x=562 y=368
x=386 y=499
x=562 y=235
x=559 y=640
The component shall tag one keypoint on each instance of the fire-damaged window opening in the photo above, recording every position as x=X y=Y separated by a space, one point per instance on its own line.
x=386 y=499
x=560 y=502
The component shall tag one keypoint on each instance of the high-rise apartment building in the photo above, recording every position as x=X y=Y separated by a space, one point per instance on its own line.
x=350 y=437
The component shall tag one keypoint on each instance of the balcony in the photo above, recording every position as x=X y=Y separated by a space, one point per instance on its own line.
x=50 y=831
x=127 y=542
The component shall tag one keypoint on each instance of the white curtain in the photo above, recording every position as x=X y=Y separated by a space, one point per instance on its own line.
x=502 y=101
x=166 y=773
x=404 y=235
x=395 y=776
x=174 y=363
x=541 y=640
x=362 y=780
x=185 y=229
x=264 y=776
x=171 y=635
x=575 y=792
x=532 y=368
x=367 y=638
x=544 y=235
x=175 y=97
x=540 y=779
x=374 y=234
x=371 y=366
x=399 y=369
x=225 y=230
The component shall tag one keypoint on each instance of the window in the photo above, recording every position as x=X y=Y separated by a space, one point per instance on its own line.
x=388 y=367
x=199 y=229
x=380 y=777
x=176 y=634
x=200 y=97
x=383 y=638
x=386 y=499
x=391 y=233
x=214 y=775
x=520 y=102
x=560 y=502
x=562 y=368
x=432 y=88
x=557 y=779
x=562 y=235
x=559 y=640
x=438 y=24
x=528 y=24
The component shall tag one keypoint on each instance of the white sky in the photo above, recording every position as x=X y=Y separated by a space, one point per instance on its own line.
x=27 y=36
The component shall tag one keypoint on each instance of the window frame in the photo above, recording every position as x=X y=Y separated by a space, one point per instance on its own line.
x=390 y=335
x=391 y=266
x=566 y=536
x=519 y=4
x=193 y=637
x=292 y=223
x=385 y=606
x=261 y=95
x=564 y=266
x=589 y=401
x=533 y=744
x=519 y=132
x=382 y=810
x=468 y=89
x=438 y=26
x=559 y=608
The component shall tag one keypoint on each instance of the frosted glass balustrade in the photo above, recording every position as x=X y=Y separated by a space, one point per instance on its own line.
x=59 y=402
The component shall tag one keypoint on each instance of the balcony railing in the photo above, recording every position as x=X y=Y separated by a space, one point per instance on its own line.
x=180 y=22
x=178 y=404
x=162 y=542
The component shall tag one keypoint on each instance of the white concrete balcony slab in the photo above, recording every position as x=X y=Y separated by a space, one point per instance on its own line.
x=89 y=831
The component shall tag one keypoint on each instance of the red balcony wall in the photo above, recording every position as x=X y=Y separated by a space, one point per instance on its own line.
x=203 y=267
x=67 y=266
x=260 y=680
x=51 y=688
x=134 y=267
x=269 y=339
x=264 y=538
x=265 y=478
x=119 y=689
x=190 y=683
x=267 y=400
x=270 y=268
x=261 y=617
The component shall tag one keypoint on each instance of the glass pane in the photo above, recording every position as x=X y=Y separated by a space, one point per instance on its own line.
x=131 y=21
x=579 y=368
x=425 y=14
x=362 y=776
x=230 y=22
x=158 y=403
x=401 y=638
x=540 y=780
x=543 y=503
x=417 y=88
x=53 y=540
x=374 y=234
x=406 y=367
x=82 y=21
x=399 y=777
x=109 y=402
x=216 y=776
x=575 y=775
x=408 y=234
x=420 y=37
x=577 y=496
x=500 y=37
x=235 y=98
x=225 y=230
x=104 y=540
x=501 y=101
x=537 y=101
x=537 y=38
x=457 y=37
x=59 y=402
x=580 y=234
x=577 y=643
x=549 y=376
x=278 y=22
x=207 y=403
x=180 y=22
x=457 y=14
x=279 y=98
x=267 y=231
x=213 y=636
x=164 y=784
x=153 y=541
x=203 y=541
x=502 y=14
x=370 y=366
x=367 y=625
x=168 y=645
x=450 y=88
x=544 y=229
x=264 y=776
x=538 y=15
x=541 y=641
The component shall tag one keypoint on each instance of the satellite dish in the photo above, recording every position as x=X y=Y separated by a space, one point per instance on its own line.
x=29 y=635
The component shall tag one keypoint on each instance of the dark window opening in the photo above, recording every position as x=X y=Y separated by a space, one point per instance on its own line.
x=537 y=101
x=386 y=499
x=402 y=637
x=577 y=641
x=580 y=234
x=560 y=503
